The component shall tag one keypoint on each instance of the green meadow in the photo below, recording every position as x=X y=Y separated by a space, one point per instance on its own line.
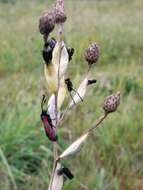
x=112 y=158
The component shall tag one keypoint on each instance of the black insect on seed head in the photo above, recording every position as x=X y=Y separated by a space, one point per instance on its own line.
x=48 y=50
x=52 y=42
x=47 y=122
x=47 y=55
x=70 y=52
x=68 y=173
x=91 y=81
x=65 y=172
x=69 y=84
x=70 y=89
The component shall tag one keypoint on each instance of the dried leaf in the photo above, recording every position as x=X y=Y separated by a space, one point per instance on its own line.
x=74 y=147
x=51 y=77
x=51 y=109
x=58 y=180
x=56 y=55
x=61 y=93
x=80 y=93
x=64 y=58
x=51 y=102
x=51 y=70
x=61 y=97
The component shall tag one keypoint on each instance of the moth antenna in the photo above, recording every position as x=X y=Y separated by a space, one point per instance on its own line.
x=43 y=101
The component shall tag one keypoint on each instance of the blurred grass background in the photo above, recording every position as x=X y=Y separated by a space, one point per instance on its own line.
x=112 y=159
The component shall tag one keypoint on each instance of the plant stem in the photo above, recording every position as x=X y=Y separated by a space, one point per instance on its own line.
x=99 y=121
x=55 y=154
x=55 y=151
x=63 y=115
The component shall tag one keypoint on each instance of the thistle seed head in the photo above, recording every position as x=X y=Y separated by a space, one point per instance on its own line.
x=92 y=54
x=47 y=23
x=60 y=16
x=111 y=103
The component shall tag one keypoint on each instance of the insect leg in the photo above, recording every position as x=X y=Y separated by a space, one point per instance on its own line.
x=72 y=98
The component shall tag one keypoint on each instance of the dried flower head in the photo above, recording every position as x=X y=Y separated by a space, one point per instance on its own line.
x=47 y=23
x=92 y=53
x=111 y=102
x=60 y=16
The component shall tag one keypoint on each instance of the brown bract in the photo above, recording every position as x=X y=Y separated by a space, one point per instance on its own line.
x=60 y=16
x=111 y=102
x=47 y=22
x=92 y=54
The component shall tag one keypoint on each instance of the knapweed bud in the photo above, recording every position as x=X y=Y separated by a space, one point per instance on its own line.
x=60 y=16
x=111 y=102
x=92 y=54
x=47 y=23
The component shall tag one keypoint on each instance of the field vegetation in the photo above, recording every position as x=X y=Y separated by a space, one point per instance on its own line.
x=112 y=159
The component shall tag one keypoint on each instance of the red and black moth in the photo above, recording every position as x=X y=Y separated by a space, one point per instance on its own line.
x=50 y=129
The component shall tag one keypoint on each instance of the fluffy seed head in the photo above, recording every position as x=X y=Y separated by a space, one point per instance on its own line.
x=60 y=16
x=111 y=102
x=92 y=53
x=47 y=23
